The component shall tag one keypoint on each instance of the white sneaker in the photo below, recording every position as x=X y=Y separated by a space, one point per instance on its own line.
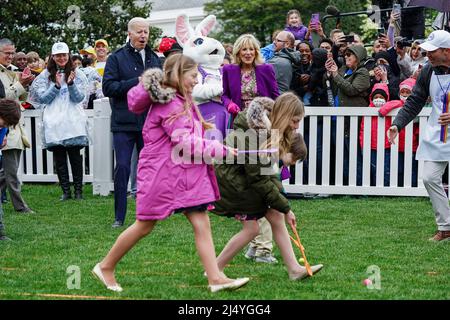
x=250 y=253
x=267 y=258
x=236 y=284
x=97 y=272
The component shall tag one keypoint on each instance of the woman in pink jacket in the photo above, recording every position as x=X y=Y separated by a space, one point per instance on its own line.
x=172 y=173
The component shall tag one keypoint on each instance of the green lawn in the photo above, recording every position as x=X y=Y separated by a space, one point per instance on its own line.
x=346 y=234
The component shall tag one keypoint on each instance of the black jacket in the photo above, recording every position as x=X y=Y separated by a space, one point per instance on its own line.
x=122 y=70
x=418 y=98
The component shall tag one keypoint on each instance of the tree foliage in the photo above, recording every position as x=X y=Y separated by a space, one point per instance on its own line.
x=350 y=23
x=34 y=25
x=258 y=17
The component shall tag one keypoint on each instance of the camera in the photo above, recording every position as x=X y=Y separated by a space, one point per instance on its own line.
x=402 y=43
x=347 y=38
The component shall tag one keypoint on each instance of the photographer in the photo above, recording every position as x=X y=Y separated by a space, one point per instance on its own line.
x=403 y=59
x=418 y=58
x=382 y=73
x=339 y=46
x=350 y=85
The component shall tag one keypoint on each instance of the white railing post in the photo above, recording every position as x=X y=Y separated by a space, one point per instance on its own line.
x=102 y=148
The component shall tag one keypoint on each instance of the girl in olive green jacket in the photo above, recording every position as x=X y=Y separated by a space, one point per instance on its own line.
x=251 y=189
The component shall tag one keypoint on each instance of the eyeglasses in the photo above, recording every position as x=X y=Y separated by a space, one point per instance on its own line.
x=8 y=53
x=278 y=40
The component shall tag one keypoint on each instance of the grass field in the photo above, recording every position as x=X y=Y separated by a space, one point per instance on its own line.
x=345 y=234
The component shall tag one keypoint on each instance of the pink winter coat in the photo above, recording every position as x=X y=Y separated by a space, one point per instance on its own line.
x=164 y=185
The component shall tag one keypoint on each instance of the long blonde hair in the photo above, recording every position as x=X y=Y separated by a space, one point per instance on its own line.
x=175 y=67
x=286 y=107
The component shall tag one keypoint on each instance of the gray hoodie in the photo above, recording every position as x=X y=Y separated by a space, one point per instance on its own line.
x=283 y=62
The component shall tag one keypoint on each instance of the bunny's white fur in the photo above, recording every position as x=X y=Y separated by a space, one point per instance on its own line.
x=207 y=52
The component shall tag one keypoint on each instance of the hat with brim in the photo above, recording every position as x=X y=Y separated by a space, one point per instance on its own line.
x=87 y=51
x=60 y=47
x=436 y=40
x=101 y=41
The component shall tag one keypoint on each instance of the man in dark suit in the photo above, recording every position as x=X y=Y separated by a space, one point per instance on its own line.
x=122 y=70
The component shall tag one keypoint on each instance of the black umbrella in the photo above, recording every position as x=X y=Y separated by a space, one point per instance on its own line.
x=439 y=5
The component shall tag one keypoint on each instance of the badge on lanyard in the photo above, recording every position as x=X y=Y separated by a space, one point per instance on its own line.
x=445 y=109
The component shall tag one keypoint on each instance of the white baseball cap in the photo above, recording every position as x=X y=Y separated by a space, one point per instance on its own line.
x=437 y=39
x=60 y=47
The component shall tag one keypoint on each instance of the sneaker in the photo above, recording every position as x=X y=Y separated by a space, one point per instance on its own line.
x=117 y=224
x=322 y=196
x=308 y=195
x=441 y=236
x=266 y=258
x=4 y=238
x=251 y=252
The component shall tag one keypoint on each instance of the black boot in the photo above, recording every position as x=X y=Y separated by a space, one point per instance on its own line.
x=62 y=171
x=76 y=162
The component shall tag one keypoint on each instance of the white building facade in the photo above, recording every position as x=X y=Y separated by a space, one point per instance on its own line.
x=164 y=13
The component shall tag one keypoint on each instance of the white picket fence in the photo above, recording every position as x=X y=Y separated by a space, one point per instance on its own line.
x=352 y=188
x=37 y=164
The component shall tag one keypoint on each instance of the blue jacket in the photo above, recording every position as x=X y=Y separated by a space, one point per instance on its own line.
x=268 y=52
x=122 y=70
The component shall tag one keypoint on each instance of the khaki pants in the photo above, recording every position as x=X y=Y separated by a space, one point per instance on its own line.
x=10 y=179
x=263 y=241
x=432 y=179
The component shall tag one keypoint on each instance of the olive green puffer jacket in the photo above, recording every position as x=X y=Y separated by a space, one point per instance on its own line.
x=243 y=189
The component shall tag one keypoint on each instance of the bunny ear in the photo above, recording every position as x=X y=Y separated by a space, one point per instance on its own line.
x=183 y=29
x=206 y=25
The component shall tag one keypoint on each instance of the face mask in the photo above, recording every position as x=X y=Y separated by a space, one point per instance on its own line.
x=403 y=98
x=379 y=102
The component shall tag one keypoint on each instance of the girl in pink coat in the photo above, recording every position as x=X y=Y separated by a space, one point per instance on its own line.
x=172 y=173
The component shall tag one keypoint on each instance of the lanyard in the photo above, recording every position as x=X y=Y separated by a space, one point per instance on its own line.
x=445 y=109
x=442 y=89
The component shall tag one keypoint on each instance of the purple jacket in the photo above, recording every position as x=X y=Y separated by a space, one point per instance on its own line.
x=298 y=32
x=266 y=83
x=164 y=184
